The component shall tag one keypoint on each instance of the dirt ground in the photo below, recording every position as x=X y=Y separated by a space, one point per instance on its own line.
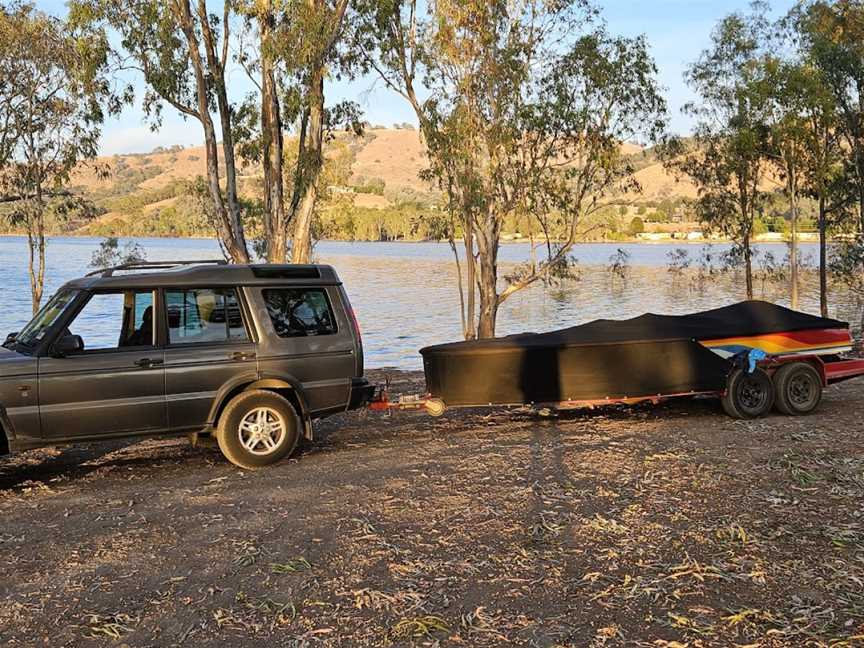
x=650 y=526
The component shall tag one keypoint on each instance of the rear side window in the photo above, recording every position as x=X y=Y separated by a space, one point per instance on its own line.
x=204 y=315
x=299 y=312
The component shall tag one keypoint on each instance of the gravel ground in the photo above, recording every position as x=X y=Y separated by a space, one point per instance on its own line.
x=649 y=526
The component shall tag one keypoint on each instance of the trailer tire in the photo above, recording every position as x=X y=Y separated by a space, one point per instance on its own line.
x=729 y=407
x=798 y=387
x=748 y=395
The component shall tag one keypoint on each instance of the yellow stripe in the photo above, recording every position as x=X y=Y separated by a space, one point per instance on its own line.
x=772 y=344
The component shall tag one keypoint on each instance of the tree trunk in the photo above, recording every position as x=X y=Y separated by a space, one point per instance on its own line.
x=216 y=72
x=793 y=247
x=470 y=331
x=229 y=227
x=857 y=134
x=40 y=274
x=301 y=247
x=275 y=225
x=31 y=270
x=487 y=284
x=860 y=165
x=823 y=257
x=748 y=265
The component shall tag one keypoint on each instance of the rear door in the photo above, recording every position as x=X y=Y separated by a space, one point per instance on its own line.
x=116 y=384
x=308 y=336
x=207 y=345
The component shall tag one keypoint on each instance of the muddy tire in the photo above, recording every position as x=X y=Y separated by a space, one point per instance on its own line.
x=798 y=387
x=258 y=428
x=748 y=395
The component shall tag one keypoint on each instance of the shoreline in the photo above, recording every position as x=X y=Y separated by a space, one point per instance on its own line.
x=522 y=241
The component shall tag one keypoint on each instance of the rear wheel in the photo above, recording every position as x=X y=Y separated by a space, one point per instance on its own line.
x=258 y=428
x=798 y=387
x=748 y=395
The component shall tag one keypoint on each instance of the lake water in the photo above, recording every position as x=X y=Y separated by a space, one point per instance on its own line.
x=405 y=294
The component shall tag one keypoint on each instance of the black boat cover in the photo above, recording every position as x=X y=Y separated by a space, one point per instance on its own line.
x=645 y=356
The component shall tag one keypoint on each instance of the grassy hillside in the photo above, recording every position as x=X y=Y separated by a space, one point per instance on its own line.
x=373 y=191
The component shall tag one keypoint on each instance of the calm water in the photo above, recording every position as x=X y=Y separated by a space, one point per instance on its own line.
x=405 y=295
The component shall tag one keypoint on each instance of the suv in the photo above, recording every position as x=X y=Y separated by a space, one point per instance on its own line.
x=251 y=353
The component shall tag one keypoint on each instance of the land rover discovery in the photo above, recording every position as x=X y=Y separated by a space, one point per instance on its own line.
x=250 y=353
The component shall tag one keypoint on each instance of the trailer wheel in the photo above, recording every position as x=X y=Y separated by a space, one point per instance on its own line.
x=748 y=395
x=798 y=387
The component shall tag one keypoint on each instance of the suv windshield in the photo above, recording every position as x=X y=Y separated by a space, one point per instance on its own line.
x=35 y=331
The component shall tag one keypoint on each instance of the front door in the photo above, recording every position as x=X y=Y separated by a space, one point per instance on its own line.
x=116 y=383
x=208 y=345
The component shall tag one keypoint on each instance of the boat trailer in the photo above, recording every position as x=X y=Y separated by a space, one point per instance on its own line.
x=830 y=372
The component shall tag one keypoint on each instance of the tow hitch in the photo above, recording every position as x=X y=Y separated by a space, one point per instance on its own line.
x=406 y=402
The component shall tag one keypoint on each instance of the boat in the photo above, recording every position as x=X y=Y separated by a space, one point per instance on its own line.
x=646 y=357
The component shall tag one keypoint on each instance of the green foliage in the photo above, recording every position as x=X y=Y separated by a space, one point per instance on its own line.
x=369 y=186
x=405 y=222
x=779 y=225
x=847 y=264
x=829 y=84
x=637 y=226
x=759 y=227
x=111 y=254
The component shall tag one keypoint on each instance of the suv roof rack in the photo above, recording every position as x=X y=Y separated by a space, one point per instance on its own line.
x=154 y=265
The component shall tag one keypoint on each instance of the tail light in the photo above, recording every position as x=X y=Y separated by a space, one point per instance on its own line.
x=354 y=321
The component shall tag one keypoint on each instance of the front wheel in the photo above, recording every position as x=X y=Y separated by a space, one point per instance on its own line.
x=799 y=388
x=258 y=428
x=748 y=395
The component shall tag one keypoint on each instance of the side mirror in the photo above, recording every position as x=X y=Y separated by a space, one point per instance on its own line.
x=11 y=337
x=67 y=345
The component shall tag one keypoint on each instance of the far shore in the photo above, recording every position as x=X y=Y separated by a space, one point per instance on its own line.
x=810 y=239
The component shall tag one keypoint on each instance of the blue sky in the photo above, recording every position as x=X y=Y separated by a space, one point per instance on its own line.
x=677 y=31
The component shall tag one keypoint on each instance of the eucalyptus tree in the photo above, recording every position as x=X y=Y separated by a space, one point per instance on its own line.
x=831 y=37
x=300 y=46
x=822 y=156
x=54 y=96
x=793 y=98
x=810 y=118
x=181 y=49
x=832 y=34
x=523 y=107
x=727 y=157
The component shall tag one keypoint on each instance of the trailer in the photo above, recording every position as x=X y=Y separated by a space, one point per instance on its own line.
x=753 y=356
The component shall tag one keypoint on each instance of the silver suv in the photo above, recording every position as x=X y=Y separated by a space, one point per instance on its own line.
x=250 y=353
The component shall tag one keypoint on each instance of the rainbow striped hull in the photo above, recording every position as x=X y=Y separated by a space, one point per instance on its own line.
x=810 y=342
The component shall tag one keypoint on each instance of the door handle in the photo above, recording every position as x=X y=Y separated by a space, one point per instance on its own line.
x=147 y=363
x=242 y=355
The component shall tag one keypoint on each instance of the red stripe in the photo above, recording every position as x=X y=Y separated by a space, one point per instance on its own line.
x=819 y=336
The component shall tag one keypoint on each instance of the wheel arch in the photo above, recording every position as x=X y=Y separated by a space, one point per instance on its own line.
x=286 y=386
x=5 y=433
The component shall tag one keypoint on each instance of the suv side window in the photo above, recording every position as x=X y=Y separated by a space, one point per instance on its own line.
x=115 y=320
x=204 y=315
x=298 y=312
